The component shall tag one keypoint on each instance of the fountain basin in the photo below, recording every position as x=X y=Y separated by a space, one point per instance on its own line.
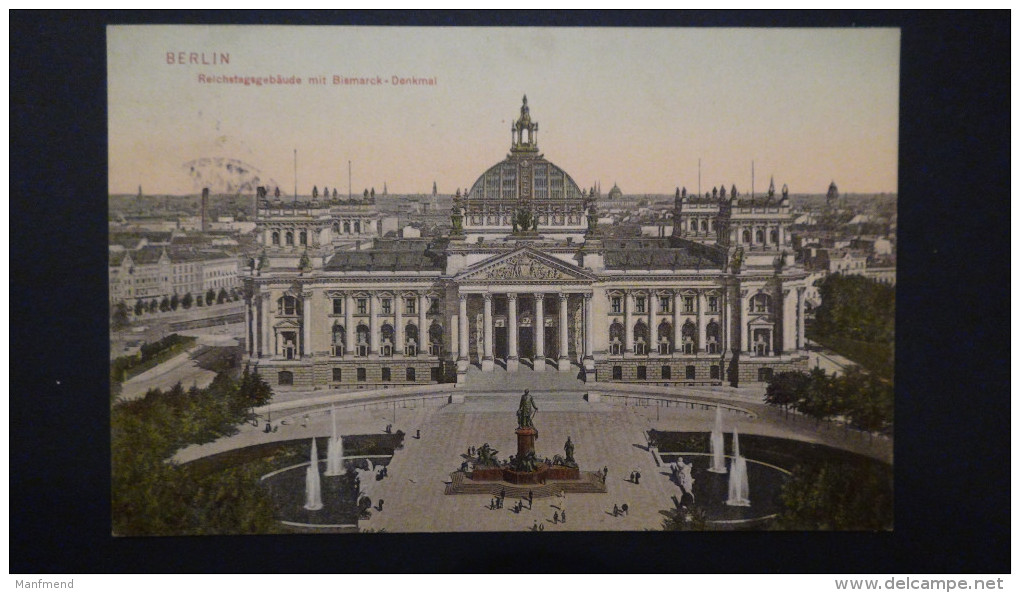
x=712 y=489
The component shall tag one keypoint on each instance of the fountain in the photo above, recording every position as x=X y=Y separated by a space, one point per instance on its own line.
x=313 y=490
x=335 y=453
x=718 y=445
x=738 y=477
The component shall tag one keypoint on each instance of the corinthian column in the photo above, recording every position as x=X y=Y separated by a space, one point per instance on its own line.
x=373 y=324
x=462 y=325
x=628 y=324
x=511 y=332
x=487 y=364
x=563 y=363
x=423 y=333
x=539 y=361
x=306 y=324
x=589 y=329
x=398 y=324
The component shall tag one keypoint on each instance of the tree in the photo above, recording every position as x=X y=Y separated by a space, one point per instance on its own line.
x=175 y=301
x=838 y=496
x=187 y=301
x=221 y=297
x=210 y=296
x=139 y=307
x=153 y=305
x=786 y=389
x=164 y=305
x=119 y=318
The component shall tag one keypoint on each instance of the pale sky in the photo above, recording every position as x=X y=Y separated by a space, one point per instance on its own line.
x=637 y=107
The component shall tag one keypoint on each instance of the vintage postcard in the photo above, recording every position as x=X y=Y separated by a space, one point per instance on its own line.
x=414 y=279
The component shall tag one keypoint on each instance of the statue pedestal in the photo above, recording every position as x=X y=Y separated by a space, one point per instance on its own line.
x=525 y=441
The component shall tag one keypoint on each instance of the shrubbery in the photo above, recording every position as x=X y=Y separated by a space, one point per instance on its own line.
x=153 y=496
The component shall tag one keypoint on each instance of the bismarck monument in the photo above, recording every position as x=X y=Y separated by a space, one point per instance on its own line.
x=483 y=472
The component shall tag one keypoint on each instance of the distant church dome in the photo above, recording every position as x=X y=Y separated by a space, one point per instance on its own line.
x=615 y=193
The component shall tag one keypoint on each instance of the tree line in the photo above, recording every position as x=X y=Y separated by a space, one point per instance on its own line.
x=152 y=495
x=863 y=400
x=857 y=308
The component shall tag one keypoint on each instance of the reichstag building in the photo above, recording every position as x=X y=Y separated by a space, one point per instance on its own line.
x=526 y=278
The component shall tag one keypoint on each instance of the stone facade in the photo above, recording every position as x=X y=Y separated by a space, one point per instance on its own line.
x=562 y=298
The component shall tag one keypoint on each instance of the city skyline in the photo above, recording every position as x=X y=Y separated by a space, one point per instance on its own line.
x=808 y=106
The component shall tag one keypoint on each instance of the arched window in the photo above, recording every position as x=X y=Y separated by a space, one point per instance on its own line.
x=276 y=238
x=761 y=303
x=641 y=338
x=347 y=227
x=290 y=238
x=289 y=305
x=336 y=229
x=387 y=340
x=688 y=338
x=436 y=340
x=665 y=337
x=712 y=337
x=616 y=338
x=303 y=237
x=746 y=236
x=759 y=236
x=411 y=340
x=704 y=225
x=774 y=237
x=357 y=226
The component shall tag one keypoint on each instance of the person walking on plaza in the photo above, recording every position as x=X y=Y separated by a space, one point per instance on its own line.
x=531 y=497
x=616 y=511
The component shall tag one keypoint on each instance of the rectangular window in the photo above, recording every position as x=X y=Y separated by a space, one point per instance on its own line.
x=639 y=305
x=765 y=374
x=642 y=372
x=688 y=304
x=410 y=306
x=667 y=373
x=410 y=373
x=617 y=305
x=337 y=375
x=338 y=306
x=362 y=306
x=664 y=304
x=386 y=373
x=386 y=306
x=714 y=371
x=362 y=375
x=617 y=373
x=713 y=304
x=690 y=372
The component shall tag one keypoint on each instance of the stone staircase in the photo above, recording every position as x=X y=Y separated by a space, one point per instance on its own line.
x=589 y=483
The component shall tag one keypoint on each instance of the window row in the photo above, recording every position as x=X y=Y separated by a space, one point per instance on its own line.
x=288 y=238
x=412 y=341
x=666 y=373
x=385 y=305
x=664 y=343
x=665 y=304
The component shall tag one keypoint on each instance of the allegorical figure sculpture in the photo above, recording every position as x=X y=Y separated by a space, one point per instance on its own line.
x=568 y=450
x=526 y=411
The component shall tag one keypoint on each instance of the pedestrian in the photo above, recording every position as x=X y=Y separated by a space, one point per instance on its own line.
x=626 y=509
x=637 y=477
x=492 y=503
x=380 y=505
x=535 y=526
x=563 y=515
x=556 y=517
x=616 y=510
x=541 y=527
x=502 y=493
x=605 y=473
x=531 y=497
x=417 y=434
x=632 y=477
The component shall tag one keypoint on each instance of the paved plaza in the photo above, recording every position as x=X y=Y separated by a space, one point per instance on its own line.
x=612 y=435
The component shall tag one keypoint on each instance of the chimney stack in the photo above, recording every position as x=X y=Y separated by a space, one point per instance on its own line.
x=205 y=209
